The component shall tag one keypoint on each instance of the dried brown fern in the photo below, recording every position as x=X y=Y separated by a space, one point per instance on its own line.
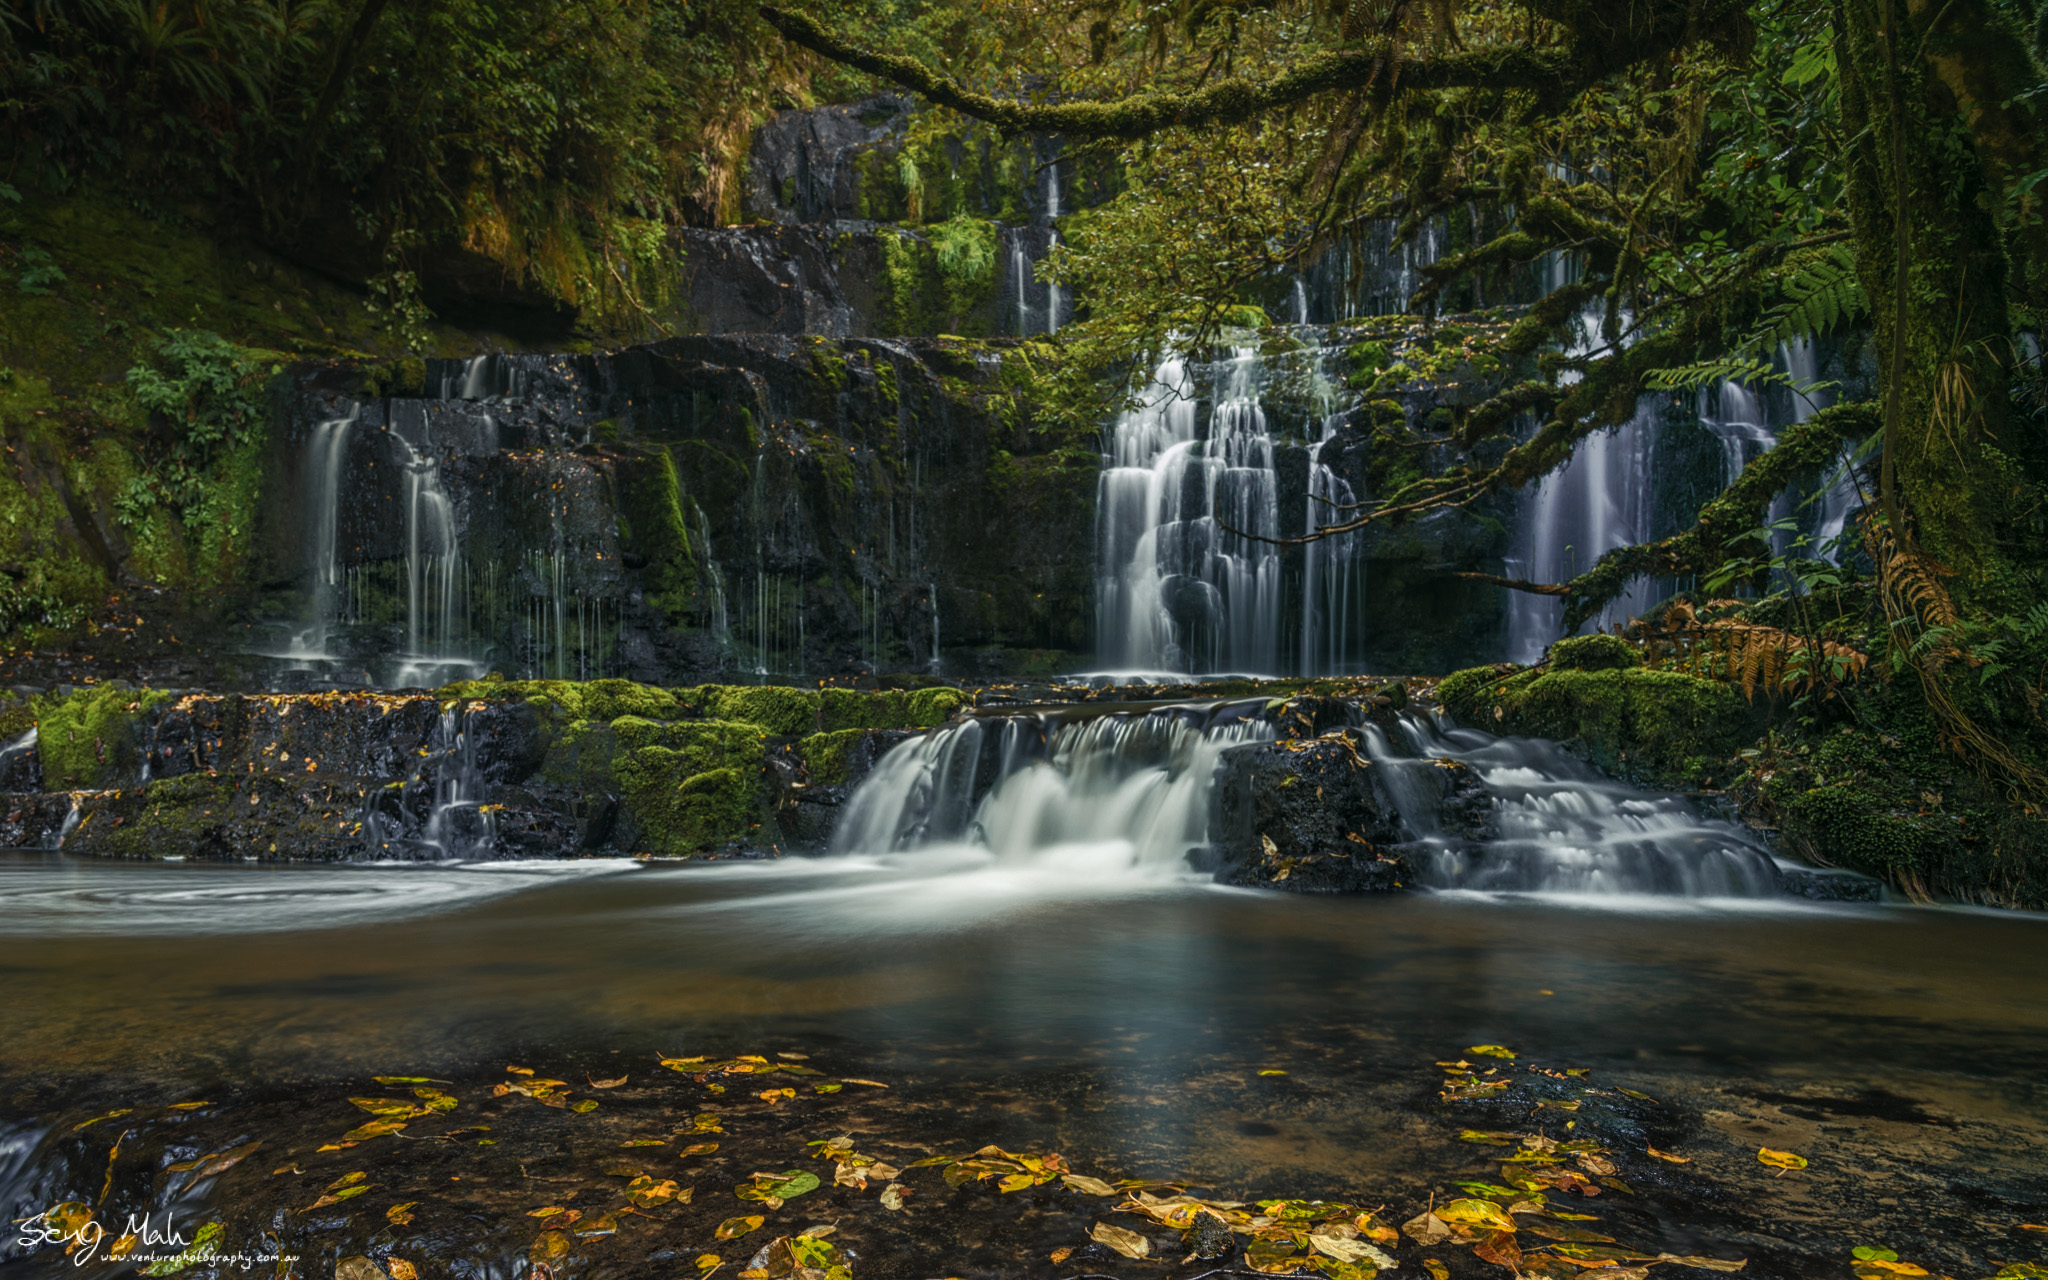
x=1779 y=662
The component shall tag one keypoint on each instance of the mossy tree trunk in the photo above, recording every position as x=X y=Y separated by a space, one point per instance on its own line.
x=1935 y=270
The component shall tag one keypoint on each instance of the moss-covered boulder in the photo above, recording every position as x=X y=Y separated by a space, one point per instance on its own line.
x=1593 y=653
x=1664 y=728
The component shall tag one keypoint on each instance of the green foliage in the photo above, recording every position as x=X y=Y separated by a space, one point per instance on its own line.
x=93 y=738
x=39 y=271
x=210 y=395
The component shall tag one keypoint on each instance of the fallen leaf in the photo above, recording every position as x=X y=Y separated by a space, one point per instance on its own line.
x=400 y=1269
x=1475 y=1213
x=358 y=1268
x=707 y=1262
x=644 y=1142
x=1426 y=1228
x=400 y=1215
x=698 y=1149
x=875 y=1084
x=1272 y=1071
x=733 y=1228
x=1061 y=1254
x=584 y=1107
x=1492 y=1051
x=1128 y=1243
x=892 y=1196
x=1093 y=1186
x=1709 y=1264
x=606 y=1084
x=1640 y=1097
x=548 y=1246
x=1669 y=1158
x=1500 y=1249
x=1780 y=1159
x=1437 y=1270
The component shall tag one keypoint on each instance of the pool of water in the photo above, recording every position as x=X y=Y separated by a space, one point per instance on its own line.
x=1856 y=1032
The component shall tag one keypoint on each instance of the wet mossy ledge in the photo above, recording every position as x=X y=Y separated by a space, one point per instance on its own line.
x=488 y=768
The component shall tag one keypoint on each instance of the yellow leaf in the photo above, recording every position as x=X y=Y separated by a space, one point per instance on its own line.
x=708 y=1261
x=1780 y=1159
x=733 y=1228
x=1272 y=1071
x=1093 y=1186
x=1492 y=1051
x=1476 y=1213
x=1128 y=1243
x=1668 y=1157
x=399 y=1215
x=400 y=1269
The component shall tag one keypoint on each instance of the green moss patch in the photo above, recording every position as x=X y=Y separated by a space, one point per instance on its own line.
x=1657 y=727
x=95 y=737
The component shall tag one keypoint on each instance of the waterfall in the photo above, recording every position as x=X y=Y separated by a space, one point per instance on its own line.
x=458 y=823
x=1020 y=272
x=1123 y=792
x=1550 y=823
x=1332 y=577
x=1178 y=591
x=1600 y=499
x=1114 y=794
x=326 y=454
x=721 y=617
x=436 y=631
x=1052 y=212
x=932 y=588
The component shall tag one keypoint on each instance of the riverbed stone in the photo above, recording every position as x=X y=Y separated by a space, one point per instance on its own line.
x=1305 y=815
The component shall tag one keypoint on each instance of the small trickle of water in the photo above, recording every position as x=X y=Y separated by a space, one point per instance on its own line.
x=326 y=454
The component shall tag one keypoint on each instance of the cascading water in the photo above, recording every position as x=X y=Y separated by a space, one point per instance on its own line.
x=1107 y=795
x=1053 y=301
x=1178 y=589
x=1126 y=794
x=1600 y=499
x=1550 y=823
x=436 y=633
x=326 y=455
x=457 y=825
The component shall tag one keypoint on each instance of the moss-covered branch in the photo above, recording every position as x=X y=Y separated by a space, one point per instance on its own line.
x=1553 y=75
x=1802 y=448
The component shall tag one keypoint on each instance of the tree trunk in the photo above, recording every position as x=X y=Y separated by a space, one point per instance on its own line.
x=1934 y=269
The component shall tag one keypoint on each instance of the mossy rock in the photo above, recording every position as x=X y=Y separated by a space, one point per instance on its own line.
x=841 y=709
x=782 y=711
x=94 y=737
x=206 y=815
x=825 y=755
x=676 y=813
x=565 y=701
x=1593 y=653
x=1664 y=728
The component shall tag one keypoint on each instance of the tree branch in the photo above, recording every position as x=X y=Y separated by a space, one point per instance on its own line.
x=1553 y=76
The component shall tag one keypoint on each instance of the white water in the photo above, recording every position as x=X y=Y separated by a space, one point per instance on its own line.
x=1556 y=825
x=1122 y=798
x=1177 y=590
x=436 y=595
x=1116 y=796
x=326 y=454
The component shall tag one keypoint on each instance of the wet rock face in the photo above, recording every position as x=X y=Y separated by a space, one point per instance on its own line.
x=1304 y=814
x=671 y=511
x=477 y=771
